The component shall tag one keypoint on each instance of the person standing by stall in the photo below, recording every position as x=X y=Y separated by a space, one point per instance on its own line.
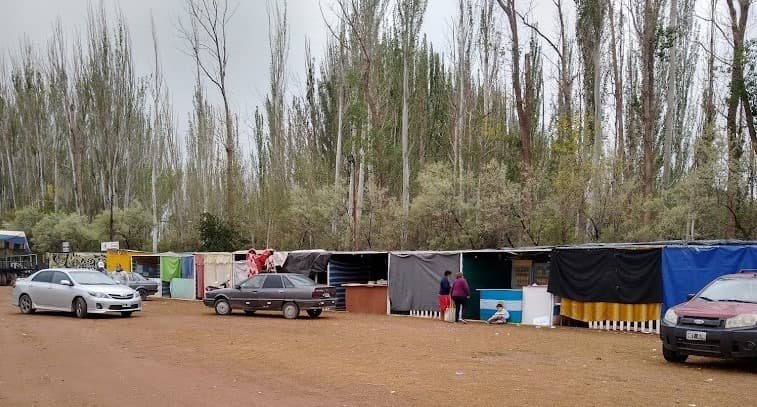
x=444 y=291
x=460 y=295
x=120 y=276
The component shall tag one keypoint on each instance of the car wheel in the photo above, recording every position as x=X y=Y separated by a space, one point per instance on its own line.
x=80 y=308
x=142 y=294
x=249 y=312
x=290 y=310
x=315 y=313
x=126 y=314
x=25 y=304
x=223 y=307
x=673 y=356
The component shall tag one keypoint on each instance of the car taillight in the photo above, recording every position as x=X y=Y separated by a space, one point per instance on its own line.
x=321 y=293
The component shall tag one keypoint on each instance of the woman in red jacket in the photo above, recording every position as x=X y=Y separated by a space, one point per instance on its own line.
x=460 y=295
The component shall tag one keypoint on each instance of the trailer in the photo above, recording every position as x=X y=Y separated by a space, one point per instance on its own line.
x=14 y=267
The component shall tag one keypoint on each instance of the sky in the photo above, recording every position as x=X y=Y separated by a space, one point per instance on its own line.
x=248 y=40
x=32 y=20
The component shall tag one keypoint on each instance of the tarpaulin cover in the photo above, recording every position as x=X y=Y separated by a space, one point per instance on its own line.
x=617 y=275
x=170 y=268
x=183 y=288
x=217 y=268
x=307 y=263
x=687 y=269
x=13 y=240
x=187 y=267
x=414 y=279
x=241 y=271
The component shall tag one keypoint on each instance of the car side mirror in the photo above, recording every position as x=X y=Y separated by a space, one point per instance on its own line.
x=66 y=282
x=689 y=297
x=237 y=287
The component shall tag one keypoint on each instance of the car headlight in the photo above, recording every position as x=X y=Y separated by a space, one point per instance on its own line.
x=671 y=317
x=98 y=295
x=741 y=321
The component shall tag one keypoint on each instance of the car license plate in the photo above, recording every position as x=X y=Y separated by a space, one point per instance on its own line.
x=696 y=336
x=326 y=295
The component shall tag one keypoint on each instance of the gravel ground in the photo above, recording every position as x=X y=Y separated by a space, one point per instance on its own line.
x=179 y=353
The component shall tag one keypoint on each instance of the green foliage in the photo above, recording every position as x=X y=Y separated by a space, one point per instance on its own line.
x=309 y=218
x=55 y=228
x=217 y=235
x=131 y=227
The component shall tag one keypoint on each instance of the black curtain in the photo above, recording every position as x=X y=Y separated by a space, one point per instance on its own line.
x=607 y=275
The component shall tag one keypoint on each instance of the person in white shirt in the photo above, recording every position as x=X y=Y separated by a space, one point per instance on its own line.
x=120 y=276
x=499 y=317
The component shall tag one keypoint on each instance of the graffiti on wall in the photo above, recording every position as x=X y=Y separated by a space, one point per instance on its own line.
x=75 y=260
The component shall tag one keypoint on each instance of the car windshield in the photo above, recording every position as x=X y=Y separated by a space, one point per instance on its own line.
x=300 y=281
x=731 y=289
x=91 y=278
x=137 y=277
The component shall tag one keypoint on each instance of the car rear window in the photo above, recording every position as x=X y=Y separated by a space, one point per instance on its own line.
x=300 y=281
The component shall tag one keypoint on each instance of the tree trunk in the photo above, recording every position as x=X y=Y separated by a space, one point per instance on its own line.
x=405 y=150
x=360 y=194
x=649 y=104
x=672 y=98
x=11 y=181
x=618 y=91
x=738 y=29
x=229 y=148
x=74 y=156
x=703 y=153
x=524 y=117
x=338 y=158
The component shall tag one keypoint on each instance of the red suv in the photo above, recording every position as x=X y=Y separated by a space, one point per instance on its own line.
x=719 y=321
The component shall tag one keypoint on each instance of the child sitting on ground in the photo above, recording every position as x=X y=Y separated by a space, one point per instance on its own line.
x=499 y=317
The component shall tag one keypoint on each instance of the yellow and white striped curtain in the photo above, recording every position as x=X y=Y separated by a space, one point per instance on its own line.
x=609 y=311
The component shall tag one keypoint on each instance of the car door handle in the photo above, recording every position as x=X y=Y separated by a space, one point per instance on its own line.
x=281 y=291
x=254 y=291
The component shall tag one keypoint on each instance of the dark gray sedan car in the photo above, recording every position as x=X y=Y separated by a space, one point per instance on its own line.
x=285 y=292
x=142 y=285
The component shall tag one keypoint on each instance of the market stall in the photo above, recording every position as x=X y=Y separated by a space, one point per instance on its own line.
x=356 y=269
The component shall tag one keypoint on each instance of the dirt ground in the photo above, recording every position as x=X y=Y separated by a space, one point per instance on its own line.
x=179 y=353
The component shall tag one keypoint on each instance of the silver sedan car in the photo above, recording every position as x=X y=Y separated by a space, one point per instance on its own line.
x=81 y=292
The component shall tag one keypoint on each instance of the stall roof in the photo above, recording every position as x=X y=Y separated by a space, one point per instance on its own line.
x=164 y=254
x=658 y=244
x=358 y=252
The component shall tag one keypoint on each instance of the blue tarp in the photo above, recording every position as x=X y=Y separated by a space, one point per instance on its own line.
x=187 y=267
x=687 y=269
x=13 y=240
